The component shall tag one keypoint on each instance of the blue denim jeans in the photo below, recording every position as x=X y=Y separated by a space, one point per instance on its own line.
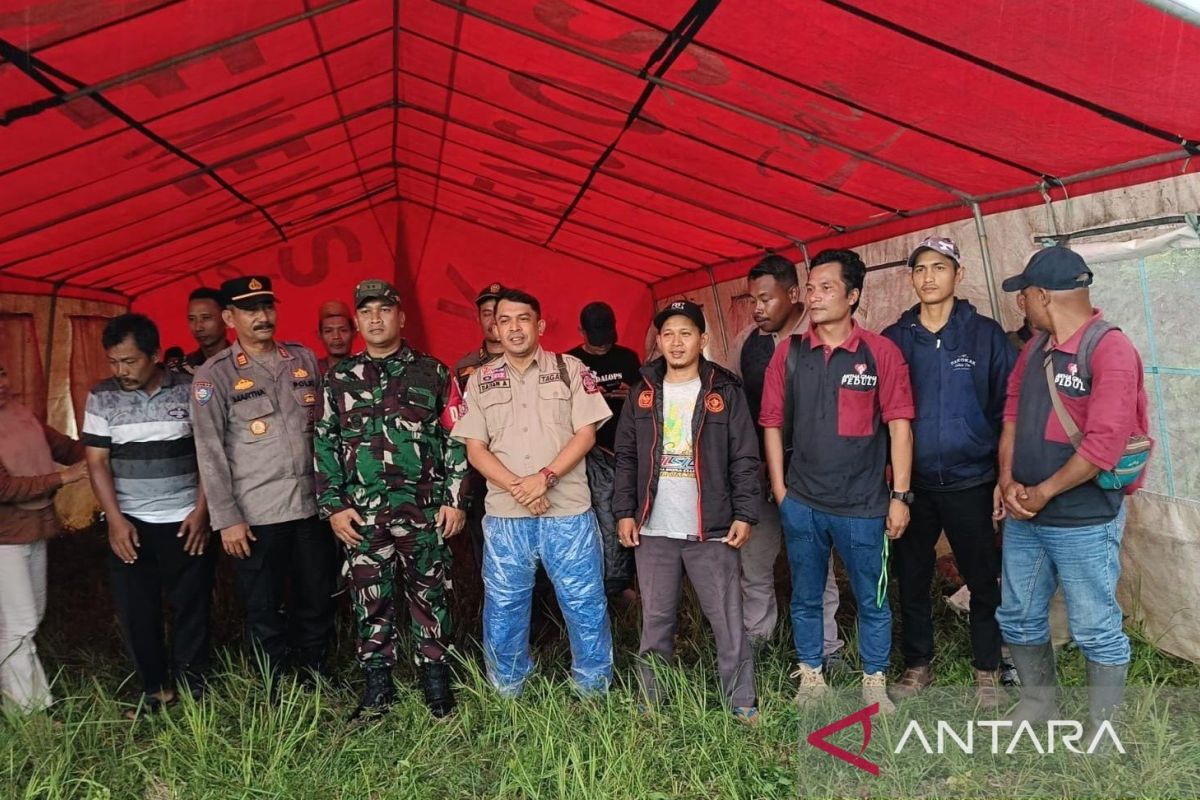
x=859 y=541
x=1087 y=561
x=570 y=550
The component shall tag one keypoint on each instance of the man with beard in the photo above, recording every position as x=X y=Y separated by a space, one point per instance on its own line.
x=207 y=327
x=778 y=313
x=388 y=475
x=253 y=406
x=334 y=321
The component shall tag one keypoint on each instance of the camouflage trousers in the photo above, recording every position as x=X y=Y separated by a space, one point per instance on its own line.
x=421 y=557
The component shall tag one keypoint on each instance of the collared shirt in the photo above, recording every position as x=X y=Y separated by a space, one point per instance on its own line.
x=1108 y=408
x=527 y=418
x=466 y=366
x=152 y=454
x=383 y=444
x=748 y=357
x=254 y=428
x=840 y=395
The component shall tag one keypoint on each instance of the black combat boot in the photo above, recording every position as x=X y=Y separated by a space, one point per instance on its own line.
x=439 y=695
x=378 y=695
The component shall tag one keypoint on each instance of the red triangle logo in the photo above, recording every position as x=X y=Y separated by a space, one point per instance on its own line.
x=819 y=738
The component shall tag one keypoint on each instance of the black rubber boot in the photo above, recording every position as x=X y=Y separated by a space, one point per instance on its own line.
x=1106 y=689
x=1039 y=683
x=439 y=695
x=378 y=695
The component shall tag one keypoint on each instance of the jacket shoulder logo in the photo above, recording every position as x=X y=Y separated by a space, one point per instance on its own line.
x=243 y=384
x=714 y=403
x=202 y=391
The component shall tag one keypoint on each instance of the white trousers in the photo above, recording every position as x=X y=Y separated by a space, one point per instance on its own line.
x=22 y=605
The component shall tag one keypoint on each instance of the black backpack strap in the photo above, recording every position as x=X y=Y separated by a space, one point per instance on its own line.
x=562 y=370
x=1091 y=338
x=789 y=379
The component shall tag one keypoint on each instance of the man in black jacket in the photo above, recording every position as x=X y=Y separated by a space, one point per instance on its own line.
x=686 y=494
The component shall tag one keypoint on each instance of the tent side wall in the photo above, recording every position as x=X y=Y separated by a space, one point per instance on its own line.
x=53 y=321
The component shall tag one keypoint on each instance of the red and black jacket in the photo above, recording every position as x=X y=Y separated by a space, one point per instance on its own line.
x=724 y=441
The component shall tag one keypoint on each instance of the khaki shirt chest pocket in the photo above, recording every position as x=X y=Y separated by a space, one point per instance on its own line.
x=254 y=420
x=554 y=402
x=496 y=406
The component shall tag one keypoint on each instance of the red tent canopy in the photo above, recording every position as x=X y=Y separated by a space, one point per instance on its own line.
x=579 y=149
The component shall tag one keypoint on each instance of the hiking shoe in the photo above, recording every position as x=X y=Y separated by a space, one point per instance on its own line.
x=987 y=689
x=812 y=685
x=747 y=715
x=874 y=690
x=378 y=695
x=914 y=681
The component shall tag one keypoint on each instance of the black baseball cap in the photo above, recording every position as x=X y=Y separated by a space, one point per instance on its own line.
x=680 y=308
x=1053 y=268
x=599 y=324
x=248 y=292
x=490 y=292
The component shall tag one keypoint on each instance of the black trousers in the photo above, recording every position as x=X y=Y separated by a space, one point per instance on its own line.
x=966 y=516
x=163 y=564
x=295 y=562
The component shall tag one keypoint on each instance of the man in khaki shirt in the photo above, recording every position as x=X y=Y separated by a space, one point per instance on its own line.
x=531 y=418
x=252 y=410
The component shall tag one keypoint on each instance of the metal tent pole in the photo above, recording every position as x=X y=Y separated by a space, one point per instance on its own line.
x=993 y=298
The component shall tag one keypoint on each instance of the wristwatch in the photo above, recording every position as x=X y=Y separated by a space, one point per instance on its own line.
x=904 y=497
x=551 y=478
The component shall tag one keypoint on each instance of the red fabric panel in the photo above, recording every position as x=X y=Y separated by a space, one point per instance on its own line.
x=22 y=360
x=89 y=362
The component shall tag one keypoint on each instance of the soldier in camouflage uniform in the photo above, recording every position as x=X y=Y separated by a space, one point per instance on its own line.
x=389 y=478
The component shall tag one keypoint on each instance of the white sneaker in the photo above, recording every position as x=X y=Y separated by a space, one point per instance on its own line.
x=874 y=690
x=812 y=685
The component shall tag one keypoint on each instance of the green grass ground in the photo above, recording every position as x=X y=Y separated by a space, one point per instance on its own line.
x=547 y=744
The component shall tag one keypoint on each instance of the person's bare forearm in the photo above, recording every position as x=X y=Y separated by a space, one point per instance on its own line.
x=574 y=451
x=490 y=467
x=1076 y=472
x=773 y=444
x=100 y=474
x=900 y=433
x=1008 y=438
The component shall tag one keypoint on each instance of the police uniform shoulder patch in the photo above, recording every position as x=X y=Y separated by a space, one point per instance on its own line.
x=243 y=384
x=202 y=391
x=589 y=381
x=714 y=403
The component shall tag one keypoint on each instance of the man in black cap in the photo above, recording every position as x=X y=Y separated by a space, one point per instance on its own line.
x=1076 y=407
x=616 y=369
x=485 y=305
x=252 y=407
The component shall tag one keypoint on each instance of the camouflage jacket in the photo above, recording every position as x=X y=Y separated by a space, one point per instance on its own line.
x=382 y=442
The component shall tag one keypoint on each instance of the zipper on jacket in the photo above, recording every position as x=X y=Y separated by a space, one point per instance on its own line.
x=703 y=399
x=654 y=468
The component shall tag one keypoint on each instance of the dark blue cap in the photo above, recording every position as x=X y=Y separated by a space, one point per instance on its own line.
x=1053 y=268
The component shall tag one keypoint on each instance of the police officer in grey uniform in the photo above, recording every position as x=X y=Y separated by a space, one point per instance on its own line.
x=253 y=407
